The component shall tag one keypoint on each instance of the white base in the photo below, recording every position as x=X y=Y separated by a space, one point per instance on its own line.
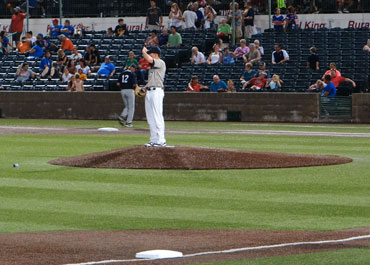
x=107 y=130
x=158 y=254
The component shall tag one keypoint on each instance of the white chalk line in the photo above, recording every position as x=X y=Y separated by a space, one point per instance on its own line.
x=234 y=250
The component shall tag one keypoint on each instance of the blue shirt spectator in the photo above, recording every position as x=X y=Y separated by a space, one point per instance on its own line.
x=330 y=89
x=218 y=85
x=227 y=58
x=107 y=68
x=45 y=62
x=163 y=38
x=37 y=51
x=67 y=29
x=56 y=28
x=249 y=75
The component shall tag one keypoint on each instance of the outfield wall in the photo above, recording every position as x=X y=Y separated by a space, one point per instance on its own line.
x=361 y=108
x=271 y=107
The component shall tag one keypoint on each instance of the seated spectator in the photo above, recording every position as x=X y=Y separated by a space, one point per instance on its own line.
x=5 y=41
x=190 y=17
x=32 y=39
x=55 y=29
x=24 y=73
x=66 y=75
x=143 y=68
x=223 y=32
x=313 y=60
x=84 y=67
x=45 y=44
x=61 y=61
x=46 y=65
x=107 y=68
x=367 y=46
x=337 y=80
x=218 y=85
x=152 y=40
x=241 y=50
x=274 y=83
x=79 y=30
x=71 y=66
x=110 y=32
x=121 y=28
x=256 y=83
x=175 y=16
x=163 y=38
x=36 y=51
x=227 y=57
x=259 y=48
x=253 y=55
x=76 y=84
x=66 y=44
x=131 y=60
x=197 y=57
x=262 y=68
x=67 y=30
x=215 y=56
x=248 y=74
x=76 y=56
x=279 y=56
x=83 y=76
x=92 y=55
x=194 y=85
x=231 y=86
x=333 y=71
x=329 y=89
x=23 y=46
x=278 y=21
x=174 y=39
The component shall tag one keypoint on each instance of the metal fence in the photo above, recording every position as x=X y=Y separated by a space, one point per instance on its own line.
x=115 y=8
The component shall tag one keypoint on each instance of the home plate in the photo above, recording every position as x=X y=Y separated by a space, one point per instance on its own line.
x=107 y=129
x=158 y=254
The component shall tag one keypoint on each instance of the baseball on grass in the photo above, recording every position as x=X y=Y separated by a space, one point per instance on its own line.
x=15 y=165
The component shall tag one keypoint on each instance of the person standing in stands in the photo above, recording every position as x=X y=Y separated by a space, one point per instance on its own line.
x=190 y=17
x=313 y=60
x=278 y=21
x=291 y=19
x=248 y=20
x=175 y=16
x=16 y=24
x=154 y=18
x=121 y=28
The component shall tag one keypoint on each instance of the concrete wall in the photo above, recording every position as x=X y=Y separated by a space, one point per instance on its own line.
x=274 y=107
x=361 y=108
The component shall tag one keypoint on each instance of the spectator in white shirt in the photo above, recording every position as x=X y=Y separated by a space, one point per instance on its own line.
x=76 y=56
x=279 y=56
x=258 y=47
x=197 y=57
x=190 y=17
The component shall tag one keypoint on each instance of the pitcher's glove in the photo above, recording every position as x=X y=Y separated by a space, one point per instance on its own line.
x=140 y=91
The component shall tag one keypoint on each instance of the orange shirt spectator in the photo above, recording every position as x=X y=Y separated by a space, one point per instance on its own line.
x=23 y=46
x=144 y=64
x=67 y=44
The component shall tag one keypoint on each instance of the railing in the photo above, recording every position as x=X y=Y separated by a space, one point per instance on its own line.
x=336 y=107
x=122 y=8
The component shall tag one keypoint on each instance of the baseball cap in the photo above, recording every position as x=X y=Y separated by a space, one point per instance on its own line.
x=55 y=20
x=132 y=66
x=154 y=50
x=17 y=8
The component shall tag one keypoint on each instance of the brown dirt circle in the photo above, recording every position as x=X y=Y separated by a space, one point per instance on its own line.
x=88 y=246
x=181 y=157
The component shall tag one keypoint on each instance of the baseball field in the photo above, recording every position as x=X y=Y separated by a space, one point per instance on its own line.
x=42 y=201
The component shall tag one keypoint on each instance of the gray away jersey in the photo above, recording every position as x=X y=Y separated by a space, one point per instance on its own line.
x=156 y=73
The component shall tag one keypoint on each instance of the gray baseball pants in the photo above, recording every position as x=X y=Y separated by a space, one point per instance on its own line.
x=128 y=97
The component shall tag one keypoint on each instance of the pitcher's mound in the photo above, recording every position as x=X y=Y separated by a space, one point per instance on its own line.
x=181 y=157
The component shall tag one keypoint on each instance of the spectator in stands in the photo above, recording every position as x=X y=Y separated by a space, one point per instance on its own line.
x=194 y=85
x=227 y=57
x=367 y=46
x=154 y=18
x=274 y=83
x=329 y=89
x=152 y=40
x=253 y=55
x=66 y=43
x=280 y=55
x=67 y=29
x=343 y=5
x=71 y=66
x=209 y=21
x=61 y=61
x=79 y=30
x=131 y=60
x=223 y=32
x=215 y=56
x=230 y=86
x=163 y=38
x=204 y=6
x=218 y=85
x=256 y=83
x=238 y=20
x=248 y=74
x=197 y=57
x=24 y=45
x=46 y=65
x=121 y=28
x=240 y=51
x=83 y=77
x=107 y=68
x=92 y=56
x=55 y=30
x=143 y=69
x=278 y=21
x=1 y=46
x=190 y=17
x=200 y=17
x=174 y=39
x=333 y=71
x=5 y=41
x=110 y=32
x=259 y=48
x=175 y=16
x=262 y=68
x=313 y=59
x=46 y=44
x=248 y=14
x=291 y=19
x=76 y=84
x=16 y=24
x=76 y=56
x=32 y=39
x=66 y=75
x=24 y=73
x=36 y=51
x=84 y=67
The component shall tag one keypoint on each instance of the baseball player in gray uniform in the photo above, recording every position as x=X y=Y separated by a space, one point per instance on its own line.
x=154 y=97
x=127 y=82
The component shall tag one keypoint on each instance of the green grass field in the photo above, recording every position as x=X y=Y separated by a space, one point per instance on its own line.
x=42 y=197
